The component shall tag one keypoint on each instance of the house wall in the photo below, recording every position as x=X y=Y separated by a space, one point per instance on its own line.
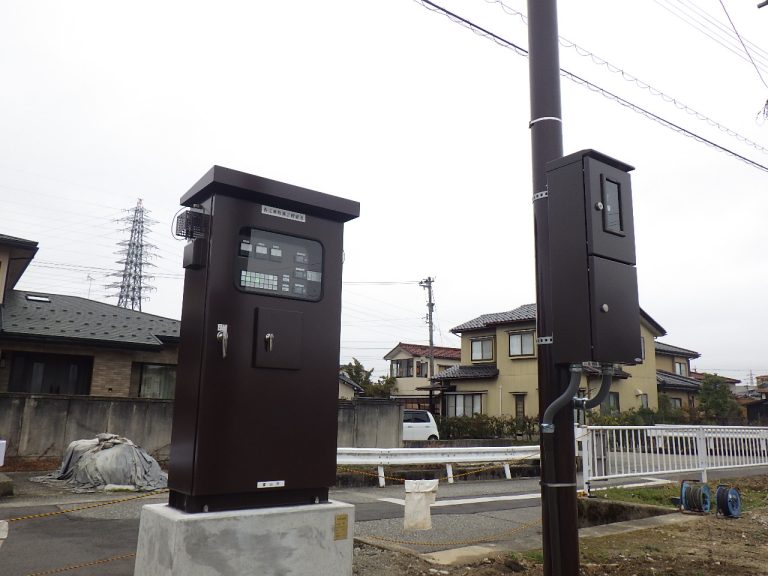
x=406 y=386
x=520 y=375
x=346 y=392
x=686 y=399
x=111 y=367
x=643 y=380
x=667 y=362
x=42 y=426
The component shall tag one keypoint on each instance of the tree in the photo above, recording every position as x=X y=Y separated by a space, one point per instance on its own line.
x=715 y=401
x=383 y=388
x=357 y=373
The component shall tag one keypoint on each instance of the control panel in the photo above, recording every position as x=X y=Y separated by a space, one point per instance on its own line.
x=279 y=265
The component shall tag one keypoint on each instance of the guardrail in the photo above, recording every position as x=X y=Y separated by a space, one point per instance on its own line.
x=628 y=451
x=381 y=457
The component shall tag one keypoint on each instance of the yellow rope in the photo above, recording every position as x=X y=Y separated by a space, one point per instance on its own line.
x=87 y=507
x=78 y=566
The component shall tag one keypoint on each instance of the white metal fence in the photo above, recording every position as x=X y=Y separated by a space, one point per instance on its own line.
x=607 y=452
x=633 y=451
x=381 y=457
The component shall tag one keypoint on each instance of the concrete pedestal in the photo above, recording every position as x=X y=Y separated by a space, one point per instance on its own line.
x=285 y=541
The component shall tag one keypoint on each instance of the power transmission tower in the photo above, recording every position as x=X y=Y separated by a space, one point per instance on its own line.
x=430 y=307
x=136 y=251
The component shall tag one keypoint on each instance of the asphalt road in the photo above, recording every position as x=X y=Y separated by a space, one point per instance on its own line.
x=38 y=545
x=506 y=512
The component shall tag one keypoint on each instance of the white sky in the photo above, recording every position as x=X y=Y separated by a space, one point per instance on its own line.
x=419 y=119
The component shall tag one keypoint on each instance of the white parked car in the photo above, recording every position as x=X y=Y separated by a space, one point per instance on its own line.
x=419 y=425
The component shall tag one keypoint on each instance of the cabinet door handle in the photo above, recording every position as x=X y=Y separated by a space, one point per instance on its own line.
x=269 y=342
x=222 y=336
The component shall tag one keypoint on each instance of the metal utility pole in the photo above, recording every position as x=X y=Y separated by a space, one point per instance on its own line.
x=430 y=307
x=558 y=461
x=133 y=282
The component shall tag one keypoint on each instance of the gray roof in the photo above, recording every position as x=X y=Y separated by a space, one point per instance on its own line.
x=670 y=350
x=349 y=382
x=669 y=381
x=14 y=241
x=467 y=373
x=70 y=318
x=524 y=313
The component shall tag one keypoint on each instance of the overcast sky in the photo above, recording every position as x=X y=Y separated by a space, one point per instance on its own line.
x=422 y=121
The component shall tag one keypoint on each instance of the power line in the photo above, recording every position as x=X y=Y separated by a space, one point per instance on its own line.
x=679 y=11
x=743 y=45
x=593 y=87
x=643 y=85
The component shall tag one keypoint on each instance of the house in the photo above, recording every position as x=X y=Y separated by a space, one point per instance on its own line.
x=498 y=373
x=348 y=388
x=673 y=375
x=56 y=344
x=733 y=383
x=409 y=364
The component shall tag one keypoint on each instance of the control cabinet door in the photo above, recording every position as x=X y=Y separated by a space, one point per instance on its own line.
x=277 y=338
x=615 y=311
x=610 y=222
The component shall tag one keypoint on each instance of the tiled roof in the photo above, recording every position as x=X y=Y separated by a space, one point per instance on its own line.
x=669 y=381
x=70 y=318
x=669 y=350
x=467 y=373
x=422 y=350
x=524 y=313
x=349 y=382
x=701 y=375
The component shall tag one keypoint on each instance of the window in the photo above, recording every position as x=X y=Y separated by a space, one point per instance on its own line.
x=422 y=369
x=521 y=343
x=611 y=404
x=681 y=368
x=402 y=368
x=418 y=416
x=35 y=373
x=519 y=405
x=642 y=349
x=643 y=399
x=482 y=349
x=464 y=404
x=676 y=403
x=157 y=381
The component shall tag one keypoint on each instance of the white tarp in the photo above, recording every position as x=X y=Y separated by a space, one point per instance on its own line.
x=107 y=460
x=419 y=496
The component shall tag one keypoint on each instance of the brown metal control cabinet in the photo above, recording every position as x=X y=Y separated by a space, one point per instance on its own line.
x=255 y=413
x=596 y=315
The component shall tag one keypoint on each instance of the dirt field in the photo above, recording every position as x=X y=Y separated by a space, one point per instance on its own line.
x=708 y=546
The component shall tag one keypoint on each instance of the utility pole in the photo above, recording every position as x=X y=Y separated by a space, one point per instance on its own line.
x=558 y=460
x=430 y=307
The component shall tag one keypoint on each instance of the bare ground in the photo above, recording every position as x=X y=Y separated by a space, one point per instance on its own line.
x=708 y=546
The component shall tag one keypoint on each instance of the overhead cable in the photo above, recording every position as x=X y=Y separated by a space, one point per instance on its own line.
x=593 y=87
x=581 y=51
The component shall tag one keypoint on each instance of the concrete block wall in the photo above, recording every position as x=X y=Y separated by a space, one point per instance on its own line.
x=41 y=426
